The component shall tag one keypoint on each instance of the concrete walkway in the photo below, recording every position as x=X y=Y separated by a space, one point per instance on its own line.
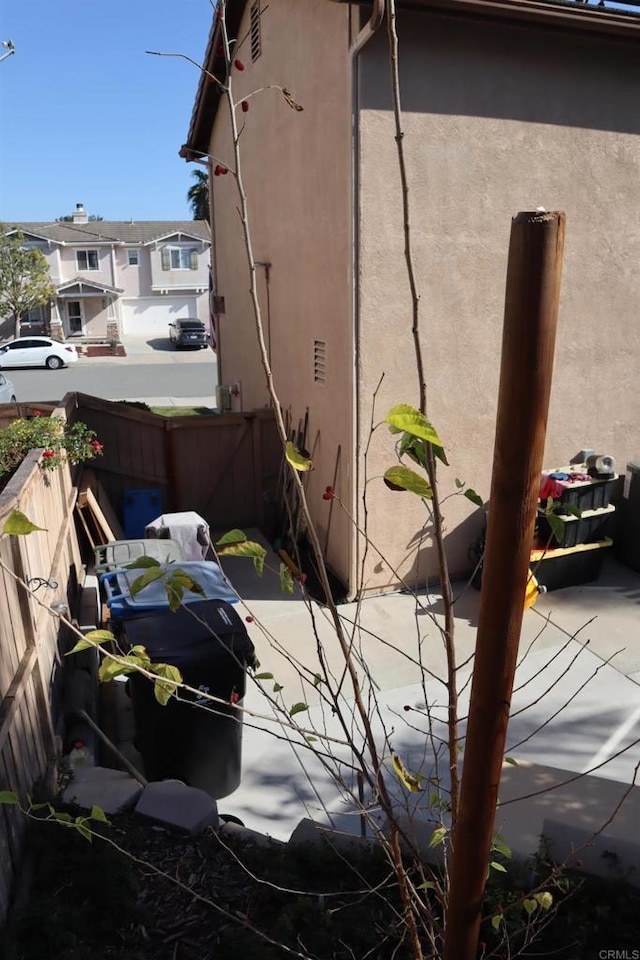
x=576 y=705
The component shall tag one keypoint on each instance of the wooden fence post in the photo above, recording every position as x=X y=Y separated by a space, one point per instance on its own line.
x=531 y=308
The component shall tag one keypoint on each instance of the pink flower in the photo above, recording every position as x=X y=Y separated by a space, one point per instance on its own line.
x=97 y=446
x=48 y=454
x=37 y=413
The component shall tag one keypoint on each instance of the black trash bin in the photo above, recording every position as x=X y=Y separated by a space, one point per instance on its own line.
x=182 y=740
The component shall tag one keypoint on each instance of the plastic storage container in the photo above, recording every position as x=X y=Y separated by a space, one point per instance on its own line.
x=118 y=553
x=139 y=507
x=628 y=534
x=201 y=747
x=589 y=495
x=559 y=568
x=591 y=527
x=116 y=585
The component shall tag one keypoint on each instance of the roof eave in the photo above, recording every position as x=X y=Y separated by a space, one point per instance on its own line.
x=208 y=93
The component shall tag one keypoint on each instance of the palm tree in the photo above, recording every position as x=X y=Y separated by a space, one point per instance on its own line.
x=198 y=195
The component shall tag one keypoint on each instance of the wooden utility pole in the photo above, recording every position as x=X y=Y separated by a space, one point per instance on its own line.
x=531 y=309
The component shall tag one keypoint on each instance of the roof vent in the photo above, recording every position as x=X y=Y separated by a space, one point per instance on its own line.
x=80 y=215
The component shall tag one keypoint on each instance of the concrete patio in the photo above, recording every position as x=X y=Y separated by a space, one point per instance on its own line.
x=576 y=707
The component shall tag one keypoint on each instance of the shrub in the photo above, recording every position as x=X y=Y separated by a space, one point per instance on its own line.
x=60 y=442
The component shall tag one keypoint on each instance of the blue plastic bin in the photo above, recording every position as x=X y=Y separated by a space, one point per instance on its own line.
x=116 y=585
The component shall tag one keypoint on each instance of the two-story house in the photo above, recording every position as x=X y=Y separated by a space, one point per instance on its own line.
x=120 y=278
x=507 y=105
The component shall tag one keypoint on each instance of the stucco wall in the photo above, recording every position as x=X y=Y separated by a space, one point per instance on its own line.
x=497 y=119
x=297 y=175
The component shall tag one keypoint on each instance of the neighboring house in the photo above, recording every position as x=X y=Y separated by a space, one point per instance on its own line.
x=116 y=279
x=508 y=105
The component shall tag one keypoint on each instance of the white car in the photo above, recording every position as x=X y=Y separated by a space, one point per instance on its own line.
x=7 y=390
x=37 y=352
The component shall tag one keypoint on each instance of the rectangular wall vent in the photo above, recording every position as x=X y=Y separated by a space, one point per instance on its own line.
x=255 y=33
x=319 y=361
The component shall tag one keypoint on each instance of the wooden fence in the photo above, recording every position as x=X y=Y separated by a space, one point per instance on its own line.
x=30 y=639
x=224 y=467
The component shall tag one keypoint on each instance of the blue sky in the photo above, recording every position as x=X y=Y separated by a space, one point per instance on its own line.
x=87 y=117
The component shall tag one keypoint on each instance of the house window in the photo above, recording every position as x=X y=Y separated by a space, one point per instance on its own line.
x=319 y=361
x=254 y=31
x=179 y=258
x=132 y=258
x=87 y=259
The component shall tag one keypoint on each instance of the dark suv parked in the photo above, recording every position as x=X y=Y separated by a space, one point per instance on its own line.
x=188 y=333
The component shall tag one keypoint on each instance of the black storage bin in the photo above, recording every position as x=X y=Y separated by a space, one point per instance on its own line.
x=628 y=538
x=181 y=740
x=591 y=527
x=556 y=569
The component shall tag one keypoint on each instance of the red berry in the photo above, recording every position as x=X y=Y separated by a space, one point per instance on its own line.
x=234 y=697
x=249 y=619
x=244 y=106
x=329 y=490
x=238 y=64
x=219 y=13
x=302 y=578
x=224 y=171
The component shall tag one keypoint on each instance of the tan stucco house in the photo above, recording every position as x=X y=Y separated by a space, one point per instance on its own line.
x=120 y=278
x=508 y=105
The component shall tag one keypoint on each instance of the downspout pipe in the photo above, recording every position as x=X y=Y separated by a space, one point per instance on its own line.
x=356 y=47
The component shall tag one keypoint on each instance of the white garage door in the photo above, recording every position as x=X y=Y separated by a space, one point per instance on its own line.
x=151 y=316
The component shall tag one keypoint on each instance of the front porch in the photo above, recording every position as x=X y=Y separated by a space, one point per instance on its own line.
x=86 y=310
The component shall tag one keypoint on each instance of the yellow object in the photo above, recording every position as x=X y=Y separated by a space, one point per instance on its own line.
x=410 y=781
x=532 y=591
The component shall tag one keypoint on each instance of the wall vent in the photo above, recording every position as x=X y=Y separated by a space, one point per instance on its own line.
x=319 y=361
x=255 y=33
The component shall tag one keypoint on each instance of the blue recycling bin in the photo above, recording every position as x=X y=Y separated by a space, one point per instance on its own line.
x=116 y=585
x=192 y=739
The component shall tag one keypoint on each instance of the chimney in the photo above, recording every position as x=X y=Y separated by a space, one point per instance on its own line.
x=80 y=215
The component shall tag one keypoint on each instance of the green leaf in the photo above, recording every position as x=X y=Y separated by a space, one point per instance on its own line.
x=474 y=497
x=556 y=525
x=142 y=562
x=530 y=905
x=166 y=686
x=277 y=687
x=427 y=885
x=150 y=576
x=297 y=708
x=413 y=447
x=501 y=847
x=310 y=739
x=405 y=418
x=459 y=484
x=514 y=763
x=247 y=548
x=317 y=679
x=110 y=669
x=233 y=536
x=296 y=459
x=496 y=920
x=8 y=797
x=82 y=828
x=183 y=581
x=497 y=866
x=545 y=899
x=62 y=817
x=437 y=837
x=406 y=479
x=18 y=525
x=440 y=454
x=572 y=510
x=92 y=639
x=286 y=579
x=97 y=813
x=263 y=676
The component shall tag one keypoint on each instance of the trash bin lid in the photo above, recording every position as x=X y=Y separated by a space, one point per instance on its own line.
x=117 y=585
x=211 y=624
x=118 y=553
